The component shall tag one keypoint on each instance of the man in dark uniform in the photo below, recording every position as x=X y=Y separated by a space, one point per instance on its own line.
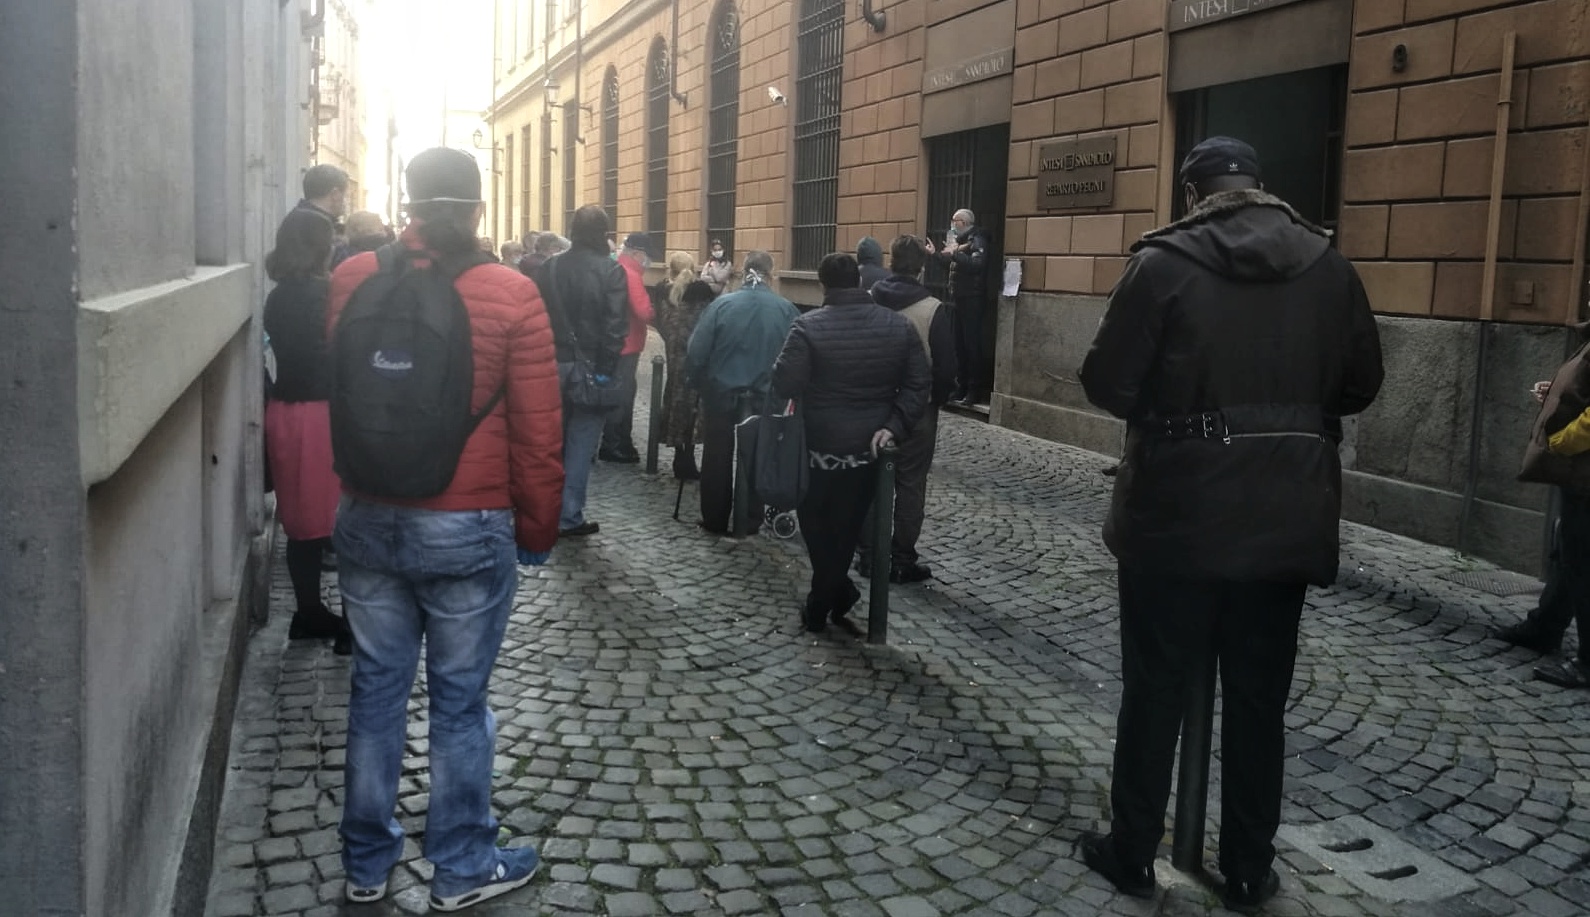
x=966 y=252
x=1235 y=341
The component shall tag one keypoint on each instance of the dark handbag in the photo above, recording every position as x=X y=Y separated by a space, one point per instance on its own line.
x=773 y=450
x=1568 y=398
x=581 y=389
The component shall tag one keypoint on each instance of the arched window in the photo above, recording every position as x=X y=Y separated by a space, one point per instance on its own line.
x=820 y=59
x=723 y=140
x=658 y=70
x=610 y=143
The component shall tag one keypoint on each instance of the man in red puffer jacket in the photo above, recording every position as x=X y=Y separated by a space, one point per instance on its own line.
x=442 y=569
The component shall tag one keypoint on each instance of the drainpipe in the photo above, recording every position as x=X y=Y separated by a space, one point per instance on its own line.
x=673 y=63
x=1504 y=113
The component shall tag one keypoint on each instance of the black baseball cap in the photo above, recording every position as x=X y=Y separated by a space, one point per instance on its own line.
x=637 y=241
x=443 y=174
x=1219 y=156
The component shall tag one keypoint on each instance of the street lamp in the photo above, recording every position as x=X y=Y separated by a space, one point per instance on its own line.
x=479 y=139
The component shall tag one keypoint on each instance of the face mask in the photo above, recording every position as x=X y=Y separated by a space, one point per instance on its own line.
x=717 y=253
x=953 y=231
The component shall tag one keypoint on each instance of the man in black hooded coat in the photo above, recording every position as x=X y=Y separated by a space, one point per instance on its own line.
x=1233 y=345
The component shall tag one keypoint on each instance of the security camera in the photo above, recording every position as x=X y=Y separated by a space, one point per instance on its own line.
x=775 y=95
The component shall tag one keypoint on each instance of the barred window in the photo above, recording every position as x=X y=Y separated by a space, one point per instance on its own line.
x=546 y=170
x=524 y=183
x=723 y=142
x=820 y=58
x=571 y=136
x=657 y=91
x=610 y=144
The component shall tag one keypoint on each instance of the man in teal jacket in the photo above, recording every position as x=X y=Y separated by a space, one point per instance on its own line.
x=731 y=355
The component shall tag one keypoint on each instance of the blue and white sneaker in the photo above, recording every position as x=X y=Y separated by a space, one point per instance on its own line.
x=515 y=868
x=365 y=894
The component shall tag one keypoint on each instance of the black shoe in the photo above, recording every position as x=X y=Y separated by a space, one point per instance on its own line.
x=957 y=396
x=584 y=528
x=1098 y=851
x=702 y=524
x=1564 y=673
x=1246 y=897
x=864 y=567
x=910 y=573
x=852 y=596
x=619 y=456
x=315 y=624
x=343 y=645
x=1111 y=471
x=1528 y=636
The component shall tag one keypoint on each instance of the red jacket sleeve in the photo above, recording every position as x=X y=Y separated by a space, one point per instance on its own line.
x=535 y=425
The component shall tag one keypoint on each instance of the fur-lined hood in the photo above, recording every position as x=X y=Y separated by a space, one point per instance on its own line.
x=1247 y=235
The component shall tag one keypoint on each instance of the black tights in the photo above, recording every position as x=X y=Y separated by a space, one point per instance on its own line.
x=303 y=568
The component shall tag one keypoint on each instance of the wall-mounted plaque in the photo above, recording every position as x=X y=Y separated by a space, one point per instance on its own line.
x=1189 y=14
x=1077 y=173
x=982 y=67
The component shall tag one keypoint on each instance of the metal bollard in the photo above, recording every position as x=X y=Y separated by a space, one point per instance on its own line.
x=654 y=417
x=882 y=536
x=740 y=524
x=1192 y=780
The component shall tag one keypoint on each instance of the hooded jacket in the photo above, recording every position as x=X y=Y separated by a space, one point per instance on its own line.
x=869 y=255
x=857 y=368
x=1233 y=344
x=587 y=297
x=897 y=293
x=515 y=457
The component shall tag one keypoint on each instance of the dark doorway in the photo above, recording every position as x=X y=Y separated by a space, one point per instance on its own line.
x=969 y=169
x=1295 y=122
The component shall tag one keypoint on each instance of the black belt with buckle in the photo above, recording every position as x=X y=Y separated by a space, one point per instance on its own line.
x=1246 y=420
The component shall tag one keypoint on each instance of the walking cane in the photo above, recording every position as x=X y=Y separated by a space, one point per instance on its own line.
x=690 y=424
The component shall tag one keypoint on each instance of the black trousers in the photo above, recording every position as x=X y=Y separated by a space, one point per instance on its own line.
x=831 y=515
x=967 y=323
x=1566 y=596
x=717 y=472
x=1166 y=625
x=911 y=469
x=303 y=569
x=618 y=432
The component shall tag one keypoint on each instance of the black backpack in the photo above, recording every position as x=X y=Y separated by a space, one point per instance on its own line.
x=403 y=375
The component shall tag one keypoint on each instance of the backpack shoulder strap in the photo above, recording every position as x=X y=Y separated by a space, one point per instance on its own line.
x=389 y=257
x=452 y=266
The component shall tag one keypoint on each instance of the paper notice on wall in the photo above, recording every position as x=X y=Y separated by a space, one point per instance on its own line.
x=1012 y=277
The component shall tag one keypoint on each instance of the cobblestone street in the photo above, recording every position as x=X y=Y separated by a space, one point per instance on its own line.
x=673 y=742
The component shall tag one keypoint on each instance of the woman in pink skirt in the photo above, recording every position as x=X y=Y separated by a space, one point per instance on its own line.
x=298 y=418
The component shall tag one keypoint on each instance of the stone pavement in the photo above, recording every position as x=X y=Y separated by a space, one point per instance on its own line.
x=673 y=743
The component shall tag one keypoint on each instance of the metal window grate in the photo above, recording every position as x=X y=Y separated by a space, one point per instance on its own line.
x=507 y=185
x=546 y=171
x=657 y=92
x=610 y=144
x=952 y=161
x=820 y=56
x=723 y=145
x=571 y=136
x=524 y=184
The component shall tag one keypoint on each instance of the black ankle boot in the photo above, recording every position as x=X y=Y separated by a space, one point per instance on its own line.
x=315 y=624
x=685 y=465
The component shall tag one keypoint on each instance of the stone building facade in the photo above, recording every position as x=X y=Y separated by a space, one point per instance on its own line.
x=1060 y=123
x=142 y=192
x=338 y=134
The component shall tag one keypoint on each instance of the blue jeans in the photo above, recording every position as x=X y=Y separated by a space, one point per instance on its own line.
x=445 y=579
x=582 y=434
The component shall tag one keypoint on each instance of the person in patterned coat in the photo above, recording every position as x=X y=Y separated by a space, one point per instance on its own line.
x=679 y=302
